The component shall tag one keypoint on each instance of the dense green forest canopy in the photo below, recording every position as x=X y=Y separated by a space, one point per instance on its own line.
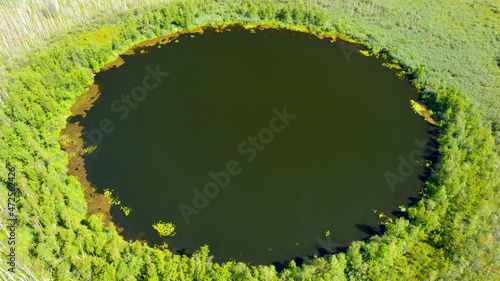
x=449 y=48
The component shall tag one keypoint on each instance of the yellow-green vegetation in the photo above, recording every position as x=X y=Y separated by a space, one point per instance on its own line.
x=164 y=228
x=391 y=65
x=126 y=210
x=368 y=53
x=365 y=53
x=448 y=48
x=402 y=75
x=417 y=107
x=163 y=246
x=113 y=200
x=90 y=149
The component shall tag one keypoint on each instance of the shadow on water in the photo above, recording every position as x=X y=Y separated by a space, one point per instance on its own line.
x=399 y=214
x=184 y=252
x=280 y=266
x=322 y=252
x=368 y=229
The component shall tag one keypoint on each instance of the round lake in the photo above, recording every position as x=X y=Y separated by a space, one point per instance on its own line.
x=266 y=145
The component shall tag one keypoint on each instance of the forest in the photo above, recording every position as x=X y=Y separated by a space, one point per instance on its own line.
x=449 y=50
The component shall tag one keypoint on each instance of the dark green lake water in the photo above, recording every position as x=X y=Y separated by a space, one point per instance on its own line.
x=288 y=179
